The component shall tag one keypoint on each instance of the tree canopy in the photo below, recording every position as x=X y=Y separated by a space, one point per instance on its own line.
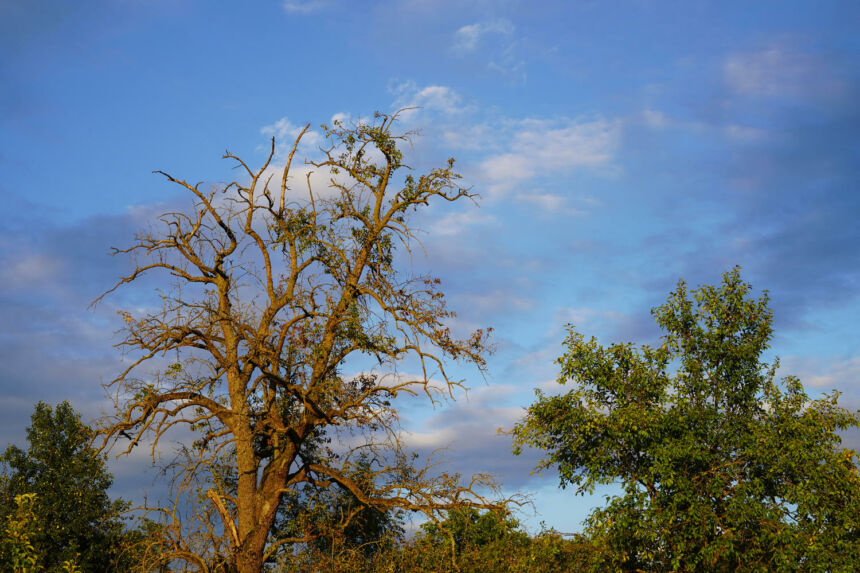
x=59 y=488
x=723 y=466
x=273 y=286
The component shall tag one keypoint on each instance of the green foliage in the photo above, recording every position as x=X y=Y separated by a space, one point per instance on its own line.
x=484 y=542
x=54 y=499
x=16 y=548
x=722 y=466
x=350 y=525
x=490 y=542
x=481 y=541
x=340 y=529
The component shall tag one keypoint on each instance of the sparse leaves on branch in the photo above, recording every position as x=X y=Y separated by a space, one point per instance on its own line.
x=275 y=285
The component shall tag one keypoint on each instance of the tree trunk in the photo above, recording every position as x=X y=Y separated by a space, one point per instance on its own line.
x=250 y=559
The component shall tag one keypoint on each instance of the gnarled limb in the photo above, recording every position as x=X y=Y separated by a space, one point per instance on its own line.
x=273 y=293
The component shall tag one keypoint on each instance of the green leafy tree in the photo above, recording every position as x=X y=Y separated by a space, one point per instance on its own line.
x=471 y=541
x=341 y=532
x=466 y=541
x=723 y=467
x=343 y=523
x=62 y=484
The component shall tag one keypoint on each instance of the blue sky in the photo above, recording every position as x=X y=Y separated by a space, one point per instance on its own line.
x=617 y=147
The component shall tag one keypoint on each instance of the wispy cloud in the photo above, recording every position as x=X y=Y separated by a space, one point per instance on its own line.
x=548 y=147
x=432 y=98
x=825 y=373
x=471 y=136
x=495 y=41
x=778 y=72
x=305 y=6
x=285 y=133
x=549 y=203
x=468 y=432
x=744 y=133
x=659 y=120
x=456 y=222
x=468 y=38
x=24 y=270
x=510 y=153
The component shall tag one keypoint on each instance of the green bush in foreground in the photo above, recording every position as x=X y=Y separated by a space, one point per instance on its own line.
x=482 y=542
x=54 y=502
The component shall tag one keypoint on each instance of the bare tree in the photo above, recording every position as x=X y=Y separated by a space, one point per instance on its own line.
x=272 y=291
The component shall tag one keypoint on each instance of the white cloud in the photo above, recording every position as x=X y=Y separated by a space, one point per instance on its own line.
x=434 y=98
x=456 y=222
x=655 y=119
x=301 y=173
x=778 y=73
x=488 y=303
x=285 y=134
x=590 y=200
x=437 y=388
x=467 y=434
x=30 y=269
x=438 y=97
x=593 y=322
x=658 y=120
x=509 y=65
x=343 y=117
x=299 y=177
x=494 y=39
x=840 y=373
x=467 y=38
x=545 y=147
x=509 y=167
x=472 y=137
x=576 y=144
x=744 y=133
x=549 y=203
x=544 y=201
x=304 y=6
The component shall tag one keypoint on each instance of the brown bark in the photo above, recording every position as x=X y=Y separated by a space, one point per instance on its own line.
x=272 y=293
